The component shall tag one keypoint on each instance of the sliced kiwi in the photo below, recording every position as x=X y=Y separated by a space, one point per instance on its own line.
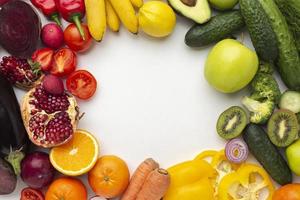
x=283 y=128
x=232 y=122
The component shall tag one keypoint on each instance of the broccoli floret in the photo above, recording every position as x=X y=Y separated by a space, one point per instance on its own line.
x=260 y=112
x=265 y=95
x=267 y=68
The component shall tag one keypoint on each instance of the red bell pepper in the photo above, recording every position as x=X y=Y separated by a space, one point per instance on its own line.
x=48 y=8
x=72 y=11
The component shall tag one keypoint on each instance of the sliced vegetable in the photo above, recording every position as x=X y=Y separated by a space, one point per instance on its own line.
x=290 y=100
x=44 y=58
x=247 y=182
x=219 y=27
x=267 y=154
x=31 y=194
x=20 y=28
x=64 y=62
x=82 y=84
x=208 y=154
x=236 y=151
x=8 y=179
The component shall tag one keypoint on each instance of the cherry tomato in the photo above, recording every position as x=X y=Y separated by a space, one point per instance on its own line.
x=288 y=192
x=31 y=194
x=44 y=57
x=64 y=62
x=82 y=84
x=74 y=40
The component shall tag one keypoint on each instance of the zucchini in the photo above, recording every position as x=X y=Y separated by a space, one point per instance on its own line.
x=290 y=100
x=219 y=27
x=288 y=60
x=260 y=29
x=267 y=154
x=291 y=10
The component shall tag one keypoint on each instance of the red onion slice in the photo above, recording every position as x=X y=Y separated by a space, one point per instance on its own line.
x=236 y=151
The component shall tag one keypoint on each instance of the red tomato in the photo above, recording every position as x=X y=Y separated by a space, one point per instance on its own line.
x=64 y=62
x=44 y=57
x=74 y=40
x=82 y=84
x=31 y=194
x=288 y=192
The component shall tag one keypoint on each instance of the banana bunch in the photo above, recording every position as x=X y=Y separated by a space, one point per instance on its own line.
x=103 y=13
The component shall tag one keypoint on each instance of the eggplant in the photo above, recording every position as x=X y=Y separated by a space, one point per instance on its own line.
x=14 y=141
x=8 y=179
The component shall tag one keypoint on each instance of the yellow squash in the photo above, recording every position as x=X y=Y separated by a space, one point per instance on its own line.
x=126 y=13
x=137 y=3
x=191 y=180
x=96 y=18
x=112 y=18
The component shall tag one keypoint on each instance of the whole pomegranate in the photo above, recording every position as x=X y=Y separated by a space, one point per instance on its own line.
x=50 y=120
x=21 y=72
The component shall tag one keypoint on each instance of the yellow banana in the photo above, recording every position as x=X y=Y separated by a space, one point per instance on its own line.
x=137 y=3
x=96 y=18
x=112 y=18
x=126 y=13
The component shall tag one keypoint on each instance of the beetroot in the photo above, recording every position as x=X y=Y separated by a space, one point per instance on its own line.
x=53 y=85
x=19 y=28
x=3 y=2
x=52 y=36
x=36 y=170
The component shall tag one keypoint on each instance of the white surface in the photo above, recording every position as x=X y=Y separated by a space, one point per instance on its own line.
x=152 y=99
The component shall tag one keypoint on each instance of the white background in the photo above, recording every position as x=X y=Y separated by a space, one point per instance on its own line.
x=152 y=99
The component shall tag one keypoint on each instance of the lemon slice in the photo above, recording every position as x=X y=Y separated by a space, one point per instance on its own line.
x=77 y=156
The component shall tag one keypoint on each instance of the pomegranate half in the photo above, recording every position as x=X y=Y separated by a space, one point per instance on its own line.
x=50 y=120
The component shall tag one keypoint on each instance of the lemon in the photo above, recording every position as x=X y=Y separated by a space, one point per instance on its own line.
x=77 y=156
x=157 y=19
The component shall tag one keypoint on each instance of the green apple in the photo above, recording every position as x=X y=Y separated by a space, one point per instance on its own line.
x=293 y=157
x=230 y=66
x=223 y=4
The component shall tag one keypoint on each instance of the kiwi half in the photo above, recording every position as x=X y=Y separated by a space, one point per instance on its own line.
x=231 y=122
x=283 y=128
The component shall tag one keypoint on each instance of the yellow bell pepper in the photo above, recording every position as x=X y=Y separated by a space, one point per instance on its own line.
x=247 y=183
x=191 y=180
x=209 y=154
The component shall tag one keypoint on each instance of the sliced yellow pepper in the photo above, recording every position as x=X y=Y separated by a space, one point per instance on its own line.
x=247 y=183
x=208 y=154
x=191 y=180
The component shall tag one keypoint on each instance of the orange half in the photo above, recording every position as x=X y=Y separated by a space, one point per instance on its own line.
x=77 y=156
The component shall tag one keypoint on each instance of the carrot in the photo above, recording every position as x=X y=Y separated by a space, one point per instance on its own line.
x=138 y=178
x=155 y=186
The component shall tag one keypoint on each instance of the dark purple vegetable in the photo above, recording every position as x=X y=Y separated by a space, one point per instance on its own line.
x=3 y=2
x=236 y=150
x=36 y=170
x=8 y=179
x=20 y=28
x=13 y=137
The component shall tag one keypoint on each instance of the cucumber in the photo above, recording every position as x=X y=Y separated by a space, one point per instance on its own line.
x=260 y=29
x=290 y=100
x=291 y=10
x=288 y=60
x=267 y=154
x=219 y=27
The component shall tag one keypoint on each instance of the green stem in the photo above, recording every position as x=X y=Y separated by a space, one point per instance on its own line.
x=54 y=17
x=76 y=20
x=15 y=158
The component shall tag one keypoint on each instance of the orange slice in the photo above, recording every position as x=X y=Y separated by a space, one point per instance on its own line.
x=77 y=156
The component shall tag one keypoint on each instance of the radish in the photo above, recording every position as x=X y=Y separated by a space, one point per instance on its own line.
x=53 y=85
x=52 y=36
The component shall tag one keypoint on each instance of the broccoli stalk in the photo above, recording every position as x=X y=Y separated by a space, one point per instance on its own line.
x=265 y=95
